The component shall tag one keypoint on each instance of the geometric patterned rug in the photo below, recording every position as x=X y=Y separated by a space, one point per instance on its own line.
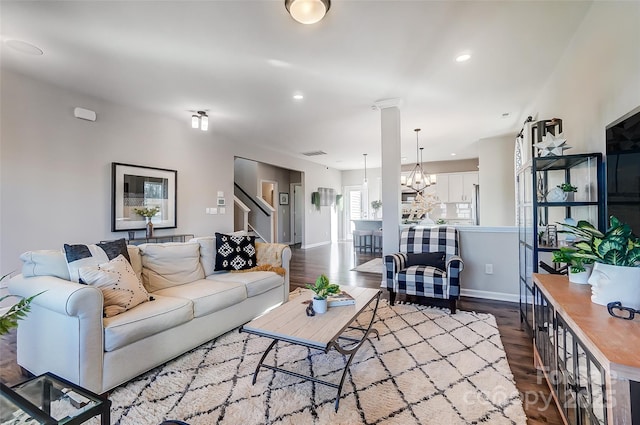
x=429 y=367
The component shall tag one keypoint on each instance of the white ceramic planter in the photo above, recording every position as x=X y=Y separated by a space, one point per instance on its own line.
x=319 y=306
x=615 y=283
x=581 y=278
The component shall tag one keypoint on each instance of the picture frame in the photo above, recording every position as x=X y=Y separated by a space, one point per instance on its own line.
x=284 y=198
x=136 y=187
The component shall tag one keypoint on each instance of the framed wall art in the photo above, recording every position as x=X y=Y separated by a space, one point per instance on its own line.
x=137 y=189
x=284 y=198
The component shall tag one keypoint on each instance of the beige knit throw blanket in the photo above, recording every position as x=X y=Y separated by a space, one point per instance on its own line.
x=269 y=257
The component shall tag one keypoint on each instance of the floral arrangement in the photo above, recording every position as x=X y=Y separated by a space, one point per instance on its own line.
x=147 y=212
x=567 y=187
x=376 y=205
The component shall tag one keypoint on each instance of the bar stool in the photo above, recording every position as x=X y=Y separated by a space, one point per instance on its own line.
x=360 y=240
x=376 y=243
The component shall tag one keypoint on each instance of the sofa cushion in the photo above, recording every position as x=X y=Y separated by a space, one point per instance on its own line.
x=208 y=296
x=256 y=282
x=121 y=288
x=207 y=253
x=45 y=262
x=145 y=320
x=169 y=264
x=234 y=252
x=92 y=255
x=135 y=260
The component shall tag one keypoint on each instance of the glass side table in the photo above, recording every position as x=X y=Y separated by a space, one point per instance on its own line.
x=48 y=399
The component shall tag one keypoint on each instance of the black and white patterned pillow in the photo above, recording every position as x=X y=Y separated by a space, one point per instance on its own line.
x=235 y=252
x=92 y=255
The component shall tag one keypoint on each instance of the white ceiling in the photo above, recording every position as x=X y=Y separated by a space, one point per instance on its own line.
x=243 y=61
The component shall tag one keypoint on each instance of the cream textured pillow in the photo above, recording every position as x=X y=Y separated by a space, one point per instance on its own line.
x=165 y=265
x=121 y=288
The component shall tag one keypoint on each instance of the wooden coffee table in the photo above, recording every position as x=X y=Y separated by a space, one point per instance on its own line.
x=290 y=323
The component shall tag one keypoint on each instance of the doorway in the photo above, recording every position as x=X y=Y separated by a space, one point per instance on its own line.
x=352 y=209
x=298 y=213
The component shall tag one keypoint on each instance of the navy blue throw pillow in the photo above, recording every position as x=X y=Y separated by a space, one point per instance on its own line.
x=433 y=259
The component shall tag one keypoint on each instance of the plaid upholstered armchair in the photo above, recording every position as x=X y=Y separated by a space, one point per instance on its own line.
x=427 y=265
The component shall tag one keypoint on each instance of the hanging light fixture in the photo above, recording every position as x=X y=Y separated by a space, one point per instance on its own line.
x=307 y=11
x=365 y=181
x=417 y=180
x=200 y=120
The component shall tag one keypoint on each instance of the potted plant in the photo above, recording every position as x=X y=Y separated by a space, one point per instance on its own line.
x=18 y=311
x=567 y=191
x=376 y=205
x=322 y=288
x=616 y=257
x=579 y=268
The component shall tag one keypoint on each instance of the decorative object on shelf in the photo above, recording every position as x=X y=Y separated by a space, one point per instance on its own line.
x=555 y=195
x=579 y=269
x=284 y=198
x=200 y=119
x=421 y=206
x=616 y=309
x=376 y=205
x=307 y=11
x=148 y=213
x=616 y=254
x=18 y=311
x=322 y=288
x=567 y=191
x=550 y=235
x=137 y=187
x=417 y=179
x=552 y=145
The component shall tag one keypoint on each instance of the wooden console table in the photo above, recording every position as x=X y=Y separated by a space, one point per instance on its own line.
x=590 y=359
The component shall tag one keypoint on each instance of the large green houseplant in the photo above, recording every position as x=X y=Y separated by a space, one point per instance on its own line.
x=616 y=258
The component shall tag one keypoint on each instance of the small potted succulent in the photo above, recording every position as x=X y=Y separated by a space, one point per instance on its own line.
x=322 y=288
x=567 y=191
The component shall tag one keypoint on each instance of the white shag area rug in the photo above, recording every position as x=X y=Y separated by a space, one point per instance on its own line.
x=429 y=367
x=373 y=266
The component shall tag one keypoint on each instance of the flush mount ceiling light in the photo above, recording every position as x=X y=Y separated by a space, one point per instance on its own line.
x=307 y=11
x=298 y=96
x=201 y=120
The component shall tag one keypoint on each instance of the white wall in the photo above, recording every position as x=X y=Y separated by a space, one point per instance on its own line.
x=598 y=79
x=497 y=246
x=496 y=179
x=55 y=175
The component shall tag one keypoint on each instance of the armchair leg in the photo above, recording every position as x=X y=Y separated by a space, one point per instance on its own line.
x=452 y=305
x=392 y=297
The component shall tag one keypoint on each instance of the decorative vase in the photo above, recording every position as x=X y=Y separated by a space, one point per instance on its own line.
x=320 y=305
x=581 y=278
x=149 y=228
x=615 y=283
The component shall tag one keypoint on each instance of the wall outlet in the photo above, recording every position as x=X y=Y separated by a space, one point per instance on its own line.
x=488 y=268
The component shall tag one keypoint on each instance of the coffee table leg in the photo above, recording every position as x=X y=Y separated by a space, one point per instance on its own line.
x=255 y=374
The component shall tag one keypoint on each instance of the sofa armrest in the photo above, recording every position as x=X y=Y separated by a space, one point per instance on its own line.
x=393 y=264
x=278 y=255
x=454 y=266
x=63 y=332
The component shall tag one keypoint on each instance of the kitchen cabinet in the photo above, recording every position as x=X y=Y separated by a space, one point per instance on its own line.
x=456 y=187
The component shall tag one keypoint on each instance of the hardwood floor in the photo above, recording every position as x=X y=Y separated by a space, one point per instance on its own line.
x=336 y=261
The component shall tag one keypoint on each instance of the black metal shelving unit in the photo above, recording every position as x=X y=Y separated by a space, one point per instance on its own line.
x=539 y=218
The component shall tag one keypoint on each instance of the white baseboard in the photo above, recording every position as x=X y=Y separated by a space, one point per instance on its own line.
x=489 y=295
x=313 y=245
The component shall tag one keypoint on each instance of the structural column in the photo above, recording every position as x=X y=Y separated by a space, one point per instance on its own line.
x=391 y=168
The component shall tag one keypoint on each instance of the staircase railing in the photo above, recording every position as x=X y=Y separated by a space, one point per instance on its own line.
x=262 y=216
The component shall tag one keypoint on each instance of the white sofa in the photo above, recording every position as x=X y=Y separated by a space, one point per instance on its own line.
x=65 y=332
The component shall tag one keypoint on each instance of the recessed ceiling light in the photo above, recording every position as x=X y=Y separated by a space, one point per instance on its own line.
x=453 y=154
x=298 y=96
x=463 y=57
x=505 y=114
x=24 y=47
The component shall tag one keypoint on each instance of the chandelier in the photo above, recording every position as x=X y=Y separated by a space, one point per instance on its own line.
x=417 y=179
